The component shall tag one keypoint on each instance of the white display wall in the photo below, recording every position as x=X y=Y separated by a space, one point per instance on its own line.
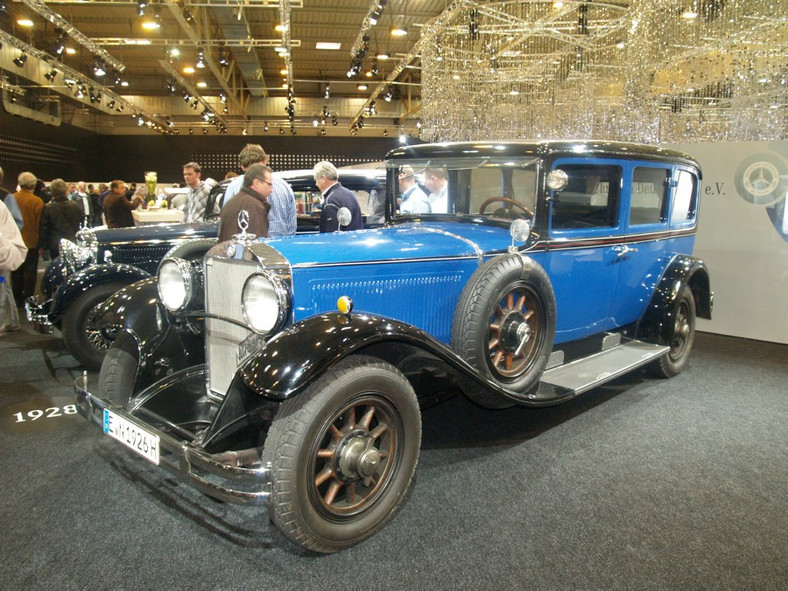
x=743 y=236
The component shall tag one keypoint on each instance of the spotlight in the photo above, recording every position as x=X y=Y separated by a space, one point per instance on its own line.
x=111 y=104
x=323 y=131
x=98 y=69
x=265 y=127
x=186 y=97
x=385 y=133
x=205 y=131
x=189 y=17
x=171 y=86
x=388 y=96
x=200 y=59
x=222 y=97
x=334 y=121
x=223 y=61
x=51 y=75
x=314 y=122
x=195 y=103
x=141 y=4
x=20 y=61
x=327 y=93
x=281 y=131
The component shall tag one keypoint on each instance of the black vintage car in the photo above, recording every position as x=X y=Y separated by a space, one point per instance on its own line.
x=102 y=261
x=291 y=372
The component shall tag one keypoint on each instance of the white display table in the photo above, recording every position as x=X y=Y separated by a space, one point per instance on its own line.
x=157 y=216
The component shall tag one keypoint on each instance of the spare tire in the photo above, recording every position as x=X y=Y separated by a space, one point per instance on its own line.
x=504 y=326
x=190 y=250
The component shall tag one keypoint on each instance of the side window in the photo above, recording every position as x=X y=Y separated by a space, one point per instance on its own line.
x=650 y=187
x=590 y=199
x=684 y=203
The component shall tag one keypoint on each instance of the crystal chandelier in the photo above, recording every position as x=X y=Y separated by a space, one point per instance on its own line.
x=634 y=70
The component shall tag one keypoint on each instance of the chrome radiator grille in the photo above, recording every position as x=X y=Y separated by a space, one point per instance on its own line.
x=224 y=323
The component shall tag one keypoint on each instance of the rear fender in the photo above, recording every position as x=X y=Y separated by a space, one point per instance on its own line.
x=657 y=325
x=81 y=281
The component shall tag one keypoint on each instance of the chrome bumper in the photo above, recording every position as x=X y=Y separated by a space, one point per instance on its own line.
x=213 y=474
x=37 y=313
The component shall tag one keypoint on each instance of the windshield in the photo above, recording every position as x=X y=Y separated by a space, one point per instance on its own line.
x=503 y=189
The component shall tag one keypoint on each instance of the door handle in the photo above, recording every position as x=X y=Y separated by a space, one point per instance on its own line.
x=623 y=250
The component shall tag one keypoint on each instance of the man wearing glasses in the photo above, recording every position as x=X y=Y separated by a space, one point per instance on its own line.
x=253 y=197
x=282 y=215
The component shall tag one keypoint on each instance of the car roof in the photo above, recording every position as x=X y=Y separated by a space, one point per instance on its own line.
x=356 y=179
x=531 y=148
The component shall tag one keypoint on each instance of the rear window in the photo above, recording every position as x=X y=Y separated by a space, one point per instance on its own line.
x=650 y=187
x=684 y=201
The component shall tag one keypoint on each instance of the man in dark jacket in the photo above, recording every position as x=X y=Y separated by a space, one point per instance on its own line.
x=60 y=219
x=118 y=206
x=335 y=196
x=253 y=198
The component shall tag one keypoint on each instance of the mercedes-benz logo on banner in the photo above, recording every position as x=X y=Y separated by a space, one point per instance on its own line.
x=243 y=220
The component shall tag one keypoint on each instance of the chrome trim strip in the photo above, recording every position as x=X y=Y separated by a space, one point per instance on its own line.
x=473 y=245
x=384 y=262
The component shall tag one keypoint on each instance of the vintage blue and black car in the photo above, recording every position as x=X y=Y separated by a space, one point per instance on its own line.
x=102 y=261
x=553 y=267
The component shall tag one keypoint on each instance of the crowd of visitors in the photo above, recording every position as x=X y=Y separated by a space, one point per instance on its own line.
x=37 y=216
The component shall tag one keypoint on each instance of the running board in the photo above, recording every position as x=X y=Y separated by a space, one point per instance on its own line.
x=589 y=372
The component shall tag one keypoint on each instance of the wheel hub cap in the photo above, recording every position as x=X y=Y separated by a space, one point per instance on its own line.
x=359 y=459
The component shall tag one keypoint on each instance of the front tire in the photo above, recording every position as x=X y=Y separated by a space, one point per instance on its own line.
x=80 y=330
x=119 y=370
x=342 y=455
x=673 y=362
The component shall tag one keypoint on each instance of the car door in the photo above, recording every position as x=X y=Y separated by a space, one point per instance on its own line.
x=641 y=255
x=584 y=233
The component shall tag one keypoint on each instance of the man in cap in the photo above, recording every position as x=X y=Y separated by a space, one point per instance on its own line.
x=414 y=200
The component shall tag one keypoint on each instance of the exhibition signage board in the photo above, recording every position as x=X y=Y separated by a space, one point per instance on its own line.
x=743 y=236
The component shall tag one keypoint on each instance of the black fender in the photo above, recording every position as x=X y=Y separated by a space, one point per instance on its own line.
x=79 y=282
x=164 y=343
x=656 y=325
x=54 y=275
x=298 y=355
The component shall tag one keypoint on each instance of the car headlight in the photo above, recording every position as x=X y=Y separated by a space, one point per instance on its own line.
x=74 y=256
x=265 y=302
x=179 y=286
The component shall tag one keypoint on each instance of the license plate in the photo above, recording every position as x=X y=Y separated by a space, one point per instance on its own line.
x=144 y=443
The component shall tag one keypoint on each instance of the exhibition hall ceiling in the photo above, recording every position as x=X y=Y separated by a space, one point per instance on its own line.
x=333 y=67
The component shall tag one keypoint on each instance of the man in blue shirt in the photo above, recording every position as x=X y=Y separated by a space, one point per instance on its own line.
x=282 y=214
x=414 y=200
x=335 y=196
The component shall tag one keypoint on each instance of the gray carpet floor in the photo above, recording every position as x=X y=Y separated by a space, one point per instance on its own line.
x=642 y=484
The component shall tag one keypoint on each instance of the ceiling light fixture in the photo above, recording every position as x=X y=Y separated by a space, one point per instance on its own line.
x=398 y=31
x=223 y=61
x=24 y=22
x=98 y=68
x=200 y=59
